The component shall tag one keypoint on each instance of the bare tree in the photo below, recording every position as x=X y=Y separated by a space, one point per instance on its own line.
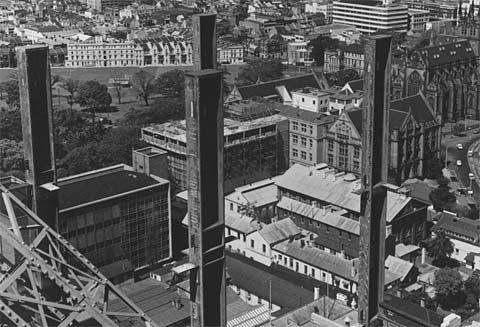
x=143 y=82
x=118 y=88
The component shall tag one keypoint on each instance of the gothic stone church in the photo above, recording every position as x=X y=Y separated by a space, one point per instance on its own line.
x=448 y=76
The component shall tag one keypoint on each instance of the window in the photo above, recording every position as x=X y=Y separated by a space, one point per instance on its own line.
x=264 y=248
x=313 y=101
x=296 y=266
x=291 y=263
x=330 y=145
x=330 y=159
x=252 y=244
x=305 y=269
x=295 y=126
x=303 y=155
x=231 y=206
x=356 y=165
x=313 y=273
x=303 y=99
x=304 y=141
x=304 y=128
x=295 y=153
x=310 y=143
x=310 y=157
x=295 y=139
x=356 y=152
x=244 y=237
x=457 y=251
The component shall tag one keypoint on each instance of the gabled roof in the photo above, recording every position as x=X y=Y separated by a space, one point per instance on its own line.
x=356 y=85
x=320 y=259
x=463 y=229
x=395 y=204
x=398 y=266
x=417 y=105
x=242 y=224
x=322 y=185
x=268 y=89
x=279 y=231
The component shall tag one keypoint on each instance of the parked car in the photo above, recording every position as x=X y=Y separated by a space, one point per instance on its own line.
x=469 y=192
x=471 y=176
x=459 y=162
x=477 y=131
x=470 y=153
x=459 y=146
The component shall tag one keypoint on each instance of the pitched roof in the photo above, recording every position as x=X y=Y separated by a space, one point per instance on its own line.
x=446 y=53
x=398 y=266
x=268 y=89
x=323 y=185
x=333 y=219
x=395 y=203
x=347 y=269
x=356 y=85
x=463 y=229
x=305 y=115
x=240 y=223
x=409 y=314
x=417 y=105
x=279 y=231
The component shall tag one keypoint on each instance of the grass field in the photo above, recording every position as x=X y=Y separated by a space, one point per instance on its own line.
x=102 y=74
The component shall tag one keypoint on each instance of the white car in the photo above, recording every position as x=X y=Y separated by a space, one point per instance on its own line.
x=471 y=176
x=469 y=192
x=459 y=146
x=459 y=162
x=470 y=153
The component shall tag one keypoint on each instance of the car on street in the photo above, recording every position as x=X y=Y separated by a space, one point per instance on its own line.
x=471 y=176
x=459 y=162
x=469 y=192
x=477 y=131
x=470 y=153
x=459 y=146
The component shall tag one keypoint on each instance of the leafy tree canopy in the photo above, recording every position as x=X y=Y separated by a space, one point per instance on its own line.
x=263 y=70
x=441 y=197
x=433 y=168
x=10 y=125
x=342 y=77
x=319 y=45
x=11 y=155
x=92 y=94
x=172 y=83
x=162 y=110
x=12 y=91
x=448 y=288
x=440 y=246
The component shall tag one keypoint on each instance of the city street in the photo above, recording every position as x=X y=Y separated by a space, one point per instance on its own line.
x=454 y=154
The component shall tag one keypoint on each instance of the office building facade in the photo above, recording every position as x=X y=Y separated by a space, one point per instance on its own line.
x=371 y=16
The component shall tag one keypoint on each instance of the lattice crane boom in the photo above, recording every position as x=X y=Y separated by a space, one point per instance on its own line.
x=45 y=281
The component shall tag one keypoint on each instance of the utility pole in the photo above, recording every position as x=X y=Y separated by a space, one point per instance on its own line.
x=206 y=228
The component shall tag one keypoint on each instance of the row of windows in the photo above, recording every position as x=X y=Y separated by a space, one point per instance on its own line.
x=303 y=155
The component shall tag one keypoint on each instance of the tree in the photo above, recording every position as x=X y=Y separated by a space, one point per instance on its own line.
x=118 y=88
x=440 y=247
x=263 y=70
x=143 y=82
x=441 y=197
x=71 y=86
x=433 y=168
x=171 y=83
x=11 y=125
x=162 y=110
x=276 y=45
x=319 y=45
x=119 y=35
x=472 y=291
x=418 y=297
x=11 y=155
x=448 y=288
x=344 y=76
x=11 y=88
x=93 y=95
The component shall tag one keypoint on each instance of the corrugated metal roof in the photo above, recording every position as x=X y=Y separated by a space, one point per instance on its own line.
x=322 y=185
x=279 y=231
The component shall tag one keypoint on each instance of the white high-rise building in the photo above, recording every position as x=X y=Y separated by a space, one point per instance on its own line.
x=370 y=16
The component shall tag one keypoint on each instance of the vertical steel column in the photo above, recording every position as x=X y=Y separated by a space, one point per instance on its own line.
x=37 y=128
x=204 y=120
x=375 y=157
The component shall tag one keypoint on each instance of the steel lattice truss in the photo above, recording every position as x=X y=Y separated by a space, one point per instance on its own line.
x=45 y=281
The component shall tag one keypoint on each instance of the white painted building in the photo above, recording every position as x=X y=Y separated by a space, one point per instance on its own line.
x=465 y=236
x=138 y=52
x=320 y=6
x=231 y=54
x=369 y=16
x=311 y=99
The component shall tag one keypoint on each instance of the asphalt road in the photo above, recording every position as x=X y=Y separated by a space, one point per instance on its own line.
x=454 y=154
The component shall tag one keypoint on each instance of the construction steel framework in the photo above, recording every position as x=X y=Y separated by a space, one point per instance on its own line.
x=45 y=281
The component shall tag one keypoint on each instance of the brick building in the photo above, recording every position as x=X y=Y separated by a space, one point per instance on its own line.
x=414 y=139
